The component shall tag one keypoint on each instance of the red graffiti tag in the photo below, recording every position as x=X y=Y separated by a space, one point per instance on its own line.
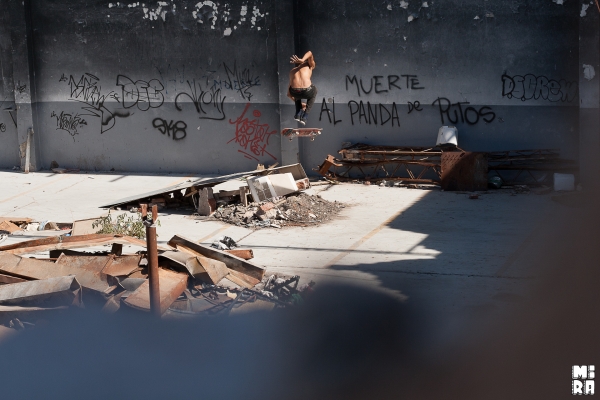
x=252 y=135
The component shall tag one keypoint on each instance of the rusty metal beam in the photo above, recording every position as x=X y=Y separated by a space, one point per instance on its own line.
x=71 y=242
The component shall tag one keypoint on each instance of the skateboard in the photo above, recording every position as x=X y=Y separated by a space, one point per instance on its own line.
x=291 y=133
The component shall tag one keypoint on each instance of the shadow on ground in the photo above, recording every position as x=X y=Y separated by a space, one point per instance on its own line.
x=344 y=343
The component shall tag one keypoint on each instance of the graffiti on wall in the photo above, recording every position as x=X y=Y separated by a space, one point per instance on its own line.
x=68 y=122
x=174 y=130
x=457 y=112
x=207 y=103
x=87 y=90
x=2 y=127
x=251 y=135
x=380 y=114
x=223 y=77
x=532 y=87
x=141 y=94
x=382 y=84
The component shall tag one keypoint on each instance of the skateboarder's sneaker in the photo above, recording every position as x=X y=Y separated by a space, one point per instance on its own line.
x=303 y=118
x=298 y=115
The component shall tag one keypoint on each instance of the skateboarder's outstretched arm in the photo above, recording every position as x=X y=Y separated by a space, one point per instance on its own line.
x=308 y=58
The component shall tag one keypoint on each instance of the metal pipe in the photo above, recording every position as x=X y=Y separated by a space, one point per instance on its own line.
x=153 y=264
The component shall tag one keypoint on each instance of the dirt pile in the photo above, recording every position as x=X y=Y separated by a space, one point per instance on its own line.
x=300 y=210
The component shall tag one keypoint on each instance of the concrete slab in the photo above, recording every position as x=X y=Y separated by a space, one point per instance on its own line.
x=458 y=258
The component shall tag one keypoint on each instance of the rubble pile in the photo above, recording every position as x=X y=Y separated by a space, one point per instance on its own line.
x=295 y=210
x=42 y=277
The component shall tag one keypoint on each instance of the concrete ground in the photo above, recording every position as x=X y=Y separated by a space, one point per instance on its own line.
x=459 y=261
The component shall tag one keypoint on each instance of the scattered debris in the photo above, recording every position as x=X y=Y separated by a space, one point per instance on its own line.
x=450 y=167
x=295 y=210
x=193 y=279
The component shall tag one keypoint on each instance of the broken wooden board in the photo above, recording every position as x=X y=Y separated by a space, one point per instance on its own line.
x=71 y=242
x=231 y=261
x=171 y=285
x=62 y=291
x=197 y=265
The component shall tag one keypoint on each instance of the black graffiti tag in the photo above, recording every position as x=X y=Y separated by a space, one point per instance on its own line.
x=2 y=127
x=68 y=122
x=470 y=115
x=242 y=81
x=377 y=114
x=379 y=84
x=143 y=94
x=87 y=90
x=531 y=87
x=175 y=130
x=208 y=103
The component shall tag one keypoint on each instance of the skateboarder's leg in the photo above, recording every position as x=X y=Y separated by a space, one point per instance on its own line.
x=311 y=97
x=299 y=108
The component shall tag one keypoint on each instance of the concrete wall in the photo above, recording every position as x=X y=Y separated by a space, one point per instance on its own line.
x=182 y=86
x=9 y=145
x=417 y=60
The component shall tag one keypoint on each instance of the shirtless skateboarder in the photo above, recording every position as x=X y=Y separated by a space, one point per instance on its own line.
x=300 y=85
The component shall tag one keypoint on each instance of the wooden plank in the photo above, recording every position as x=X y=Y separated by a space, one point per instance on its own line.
x=231 y=261
x=172 y=284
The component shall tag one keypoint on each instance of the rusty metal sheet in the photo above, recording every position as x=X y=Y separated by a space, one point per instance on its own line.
x=197 y=265
x=246 y=254
x=131 y=284
x=464 y=171
x=172 y=284
x=87 y=269
x=295 y=169
x=231 y=261
x=7 y=279
x=64 y=290
x=122 y=265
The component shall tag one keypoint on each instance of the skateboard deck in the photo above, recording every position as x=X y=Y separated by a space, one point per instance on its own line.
x=291 y=133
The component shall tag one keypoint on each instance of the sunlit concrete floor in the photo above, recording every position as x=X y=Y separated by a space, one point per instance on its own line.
x=457 y=260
